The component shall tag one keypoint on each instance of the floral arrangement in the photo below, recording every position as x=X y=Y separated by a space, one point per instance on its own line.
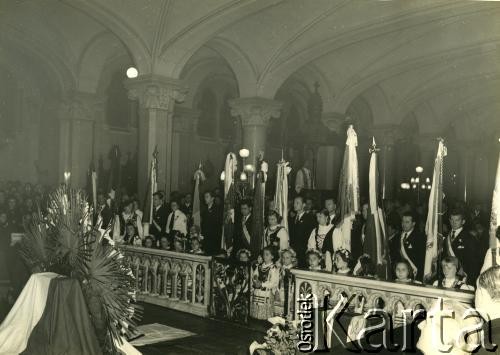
x=231 y=291
x=280 y=339
x=63 y=240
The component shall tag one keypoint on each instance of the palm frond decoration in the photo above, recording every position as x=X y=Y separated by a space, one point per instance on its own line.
x=37 y=246
x=64 y=241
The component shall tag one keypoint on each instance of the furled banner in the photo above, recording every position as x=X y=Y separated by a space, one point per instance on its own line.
x=433 y=226
x=349 y=188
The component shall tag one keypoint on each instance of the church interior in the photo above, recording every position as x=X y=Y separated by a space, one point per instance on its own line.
x=212 y=127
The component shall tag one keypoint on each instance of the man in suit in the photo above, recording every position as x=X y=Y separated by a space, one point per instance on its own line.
x=331 y=207
x=412 y=245
x=160 y=213
x=211 y=224
x=461 y=244
x=243 y=227
x=300 y=229
x=176 y=221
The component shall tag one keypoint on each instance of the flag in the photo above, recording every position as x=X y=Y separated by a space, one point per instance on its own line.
x=281 y=193
x=152 y=188
x=258 y=210
x=199 y=176
x=229 y=201
x=495 y=209
x=433 y=225
x=375 y=244
x=349 y=188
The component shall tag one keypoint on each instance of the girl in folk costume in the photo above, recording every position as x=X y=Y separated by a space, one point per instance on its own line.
x=265 y=283
x=342 y=262
x=243 y=255
x=131 y=236
x=404 y=272
x=275 y=235
x=321 y=239
x=452 y=278
x=130 y=216
x=314 y=258
x=196 y=246
x=287 y=261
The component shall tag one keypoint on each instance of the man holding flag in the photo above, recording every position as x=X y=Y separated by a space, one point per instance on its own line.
x=375 y=243
x=434 y=224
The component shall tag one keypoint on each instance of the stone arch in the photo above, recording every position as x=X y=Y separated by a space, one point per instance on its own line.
x=277 y=73
x=137 y=47
x=243 y=69
x=95 y=57
x=174 y=54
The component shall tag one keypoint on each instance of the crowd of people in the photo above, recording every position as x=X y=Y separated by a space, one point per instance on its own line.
x=312 y=239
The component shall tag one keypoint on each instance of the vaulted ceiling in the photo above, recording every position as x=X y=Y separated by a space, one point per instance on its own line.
x=436 y=60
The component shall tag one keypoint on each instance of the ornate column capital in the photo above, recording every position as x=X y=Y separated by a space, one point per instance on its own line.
x=156 y=92
x=334 y=121
x=185 y=119
x=386 y=134
x=78 y=106
x=255 y=111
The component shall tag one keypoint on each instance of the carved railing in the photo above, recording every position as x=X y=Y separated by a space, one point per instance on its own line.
x=389 y=296
x=174 y=280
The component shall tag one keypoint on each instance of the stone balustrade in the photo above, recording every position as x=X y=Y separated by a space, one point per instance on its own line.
x=174 y=280
x=390 y=296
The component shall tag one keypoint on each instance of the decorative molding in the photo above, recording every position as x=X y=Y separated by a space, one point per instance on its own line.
x=255 y=111
x=78 y=106
x=334 y=121
x=185 y=119
x=372 y=290
x=386 y=135
x=156 y=92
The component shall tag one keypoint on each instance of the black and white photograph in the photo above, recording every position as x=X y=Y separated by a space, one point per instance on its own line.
x=249 y=177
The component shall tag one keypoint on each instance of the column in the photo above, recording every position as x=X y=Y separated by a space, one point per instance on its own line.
x=156 y=96
x=385 y=138
x=331 y=156
x=255 y=113
x=77 y=116
x=185 y=121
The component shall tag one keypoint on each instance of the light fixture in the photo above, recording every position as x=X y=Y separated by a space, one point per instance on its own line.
x=429 y=187
x=249 y=168
x=412 y=180
x=423 y=187
x=405 y=186
x=223 y=175
x=419 y=169
x=244 y=153
x=414 y=186
x=417 y=180
x=243 y=176
x=428 y=180
x=132 y=72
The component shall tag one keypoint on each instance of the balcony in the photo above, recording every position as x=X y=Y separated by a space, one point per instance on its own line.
x=173 y=280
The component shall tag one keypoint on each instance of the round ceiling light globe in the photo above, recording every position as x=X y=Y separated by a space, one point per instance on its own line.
x=244 y=153
x=132 y=73
x=419 y=169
